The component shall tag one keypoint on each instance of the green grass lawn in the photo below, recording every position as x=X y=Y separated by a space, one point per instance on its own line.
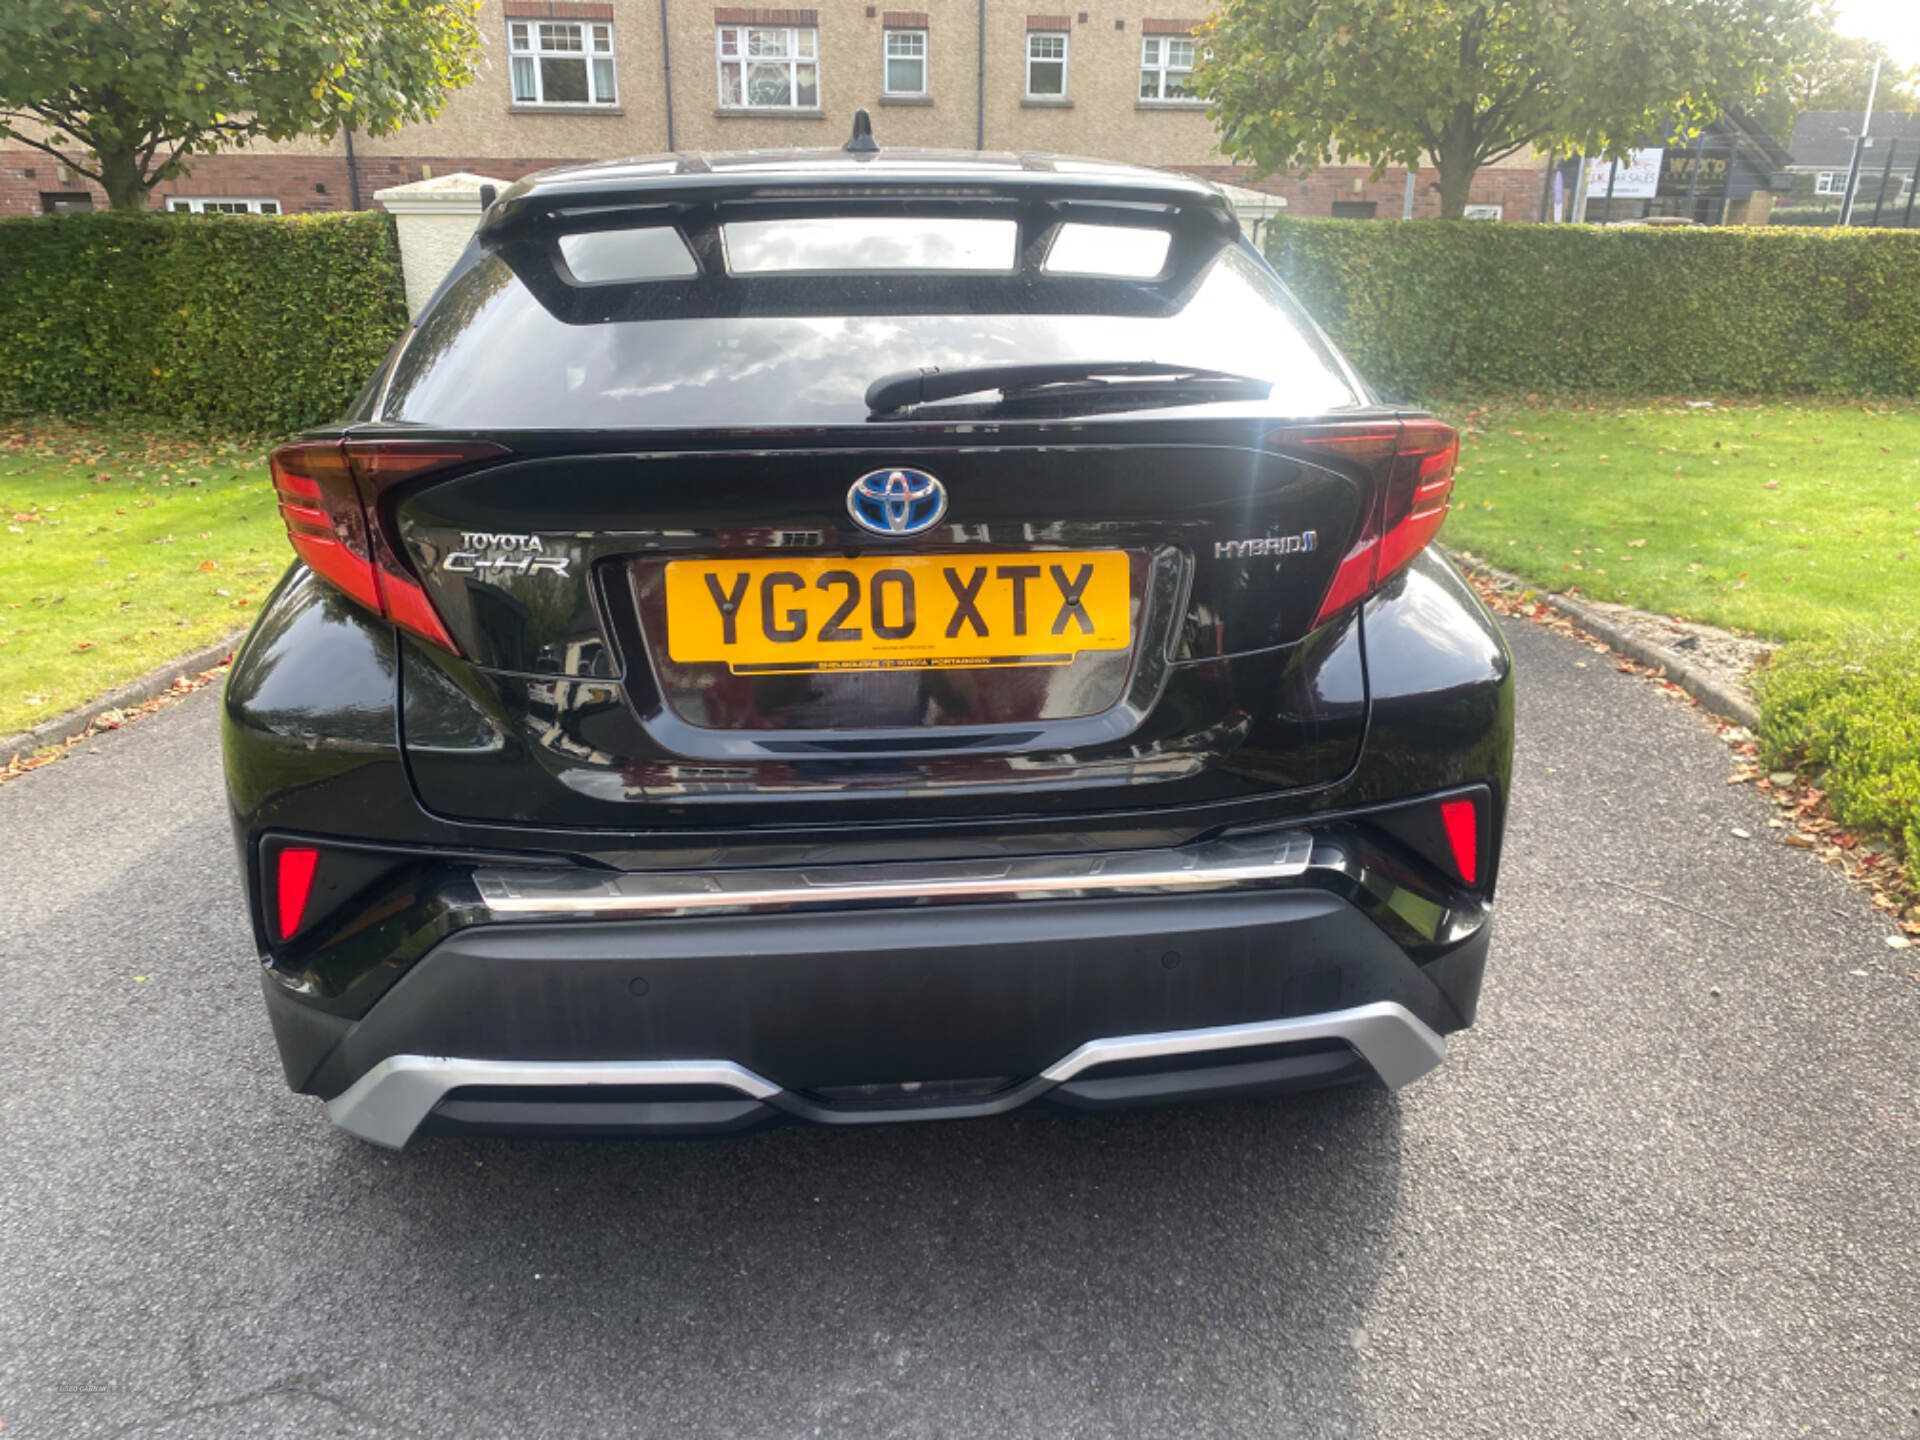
x=1791 y=521
x=123 y=548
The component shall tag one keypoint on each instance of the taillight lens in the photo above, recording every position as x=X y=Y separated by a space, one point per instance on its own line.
x=330 y=497
x=325 y=520
x=1413 y=483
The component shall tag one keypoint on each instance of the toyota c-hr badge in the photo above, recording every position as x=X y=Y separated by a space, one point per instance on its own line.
x=897 y=502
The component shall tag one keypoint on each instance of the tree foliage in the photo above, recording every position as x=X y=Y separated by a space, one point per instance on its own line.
x=1836 y=75
x=1301 y=83
x=144 y=85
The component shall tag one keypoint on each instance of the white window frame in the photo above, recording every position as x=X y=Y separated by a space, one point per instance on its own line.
x=1830 y=182
x=1156 y=59
x=528 y=44
x=795 y=59
x=222 y=205
x=1065 y=59
x=925 y=57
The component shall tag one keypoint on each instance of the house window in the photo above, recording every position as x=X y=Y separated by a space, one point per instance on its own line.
x=1166 y=67
x=906 y=62
x=1046 y=65
x=561 y=62
x=1830 y=182
x=192 y=205
x=769 y=67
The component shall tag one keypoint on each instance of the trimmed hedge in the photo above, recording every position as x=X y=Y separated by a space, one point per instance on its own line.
x=1893 y=215
x=234 y=323
x=1430 y=306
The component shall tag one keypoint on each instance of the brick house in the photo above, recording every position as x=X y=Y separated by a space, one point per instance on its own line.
x=1823 y=152
x=566 y=80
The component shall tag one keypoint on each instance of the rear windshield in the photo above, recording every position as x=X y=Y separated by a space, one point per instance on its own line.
x=786 y=321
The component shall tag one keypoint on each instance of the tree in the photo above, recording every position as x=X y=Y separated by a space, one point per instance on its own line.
x=1836 y=76
x=1299 y=83
x=142 y=86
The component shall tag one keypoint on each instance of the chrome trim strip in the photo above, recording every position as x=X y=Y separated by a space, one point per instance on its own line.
x=387 y=1104
x=1391 y=1038
x=1219 y=865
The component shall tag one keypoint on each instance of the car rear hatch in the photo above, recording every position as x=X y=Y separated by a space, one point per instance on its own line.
x=675 y=572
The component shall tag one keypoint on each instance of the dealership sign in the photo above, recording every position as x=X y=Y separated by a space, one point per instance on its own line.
x=1638 y=177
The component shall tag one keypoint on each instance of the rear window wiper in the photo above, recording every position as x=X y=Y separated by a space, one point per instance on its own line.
x=903 y=389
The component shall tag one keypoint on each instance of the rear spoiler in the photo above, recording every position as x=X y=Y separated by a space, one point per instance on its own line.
x=525 y=229
x=687 y=186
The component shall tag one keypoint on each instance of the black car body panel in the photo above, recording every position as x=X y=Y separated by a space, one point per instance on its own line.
x=505 y=694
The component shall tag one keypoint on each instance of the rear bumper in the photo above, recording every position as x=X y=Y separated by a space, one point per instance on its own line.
x=390 y=1102
x=722 y=1023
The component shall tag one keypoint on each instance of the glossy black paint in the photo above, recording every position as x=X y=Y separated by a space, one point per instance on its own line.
x=316 y=749
x=563 y=734
x=1150 y=485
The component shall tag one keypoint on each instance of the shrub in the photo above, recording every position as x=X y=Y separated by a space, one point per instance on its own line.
x=235 y=323
x=1852 y=706
x=1429 y=306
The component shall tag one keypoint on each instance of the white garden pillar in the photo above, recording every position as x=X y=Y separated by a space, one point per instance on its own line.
x=435 y=219
x=1254 y=209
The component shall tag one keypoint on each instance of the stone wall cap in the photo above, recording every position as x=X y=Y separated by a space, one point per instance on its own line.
x=455 y=194
x=1245 y=200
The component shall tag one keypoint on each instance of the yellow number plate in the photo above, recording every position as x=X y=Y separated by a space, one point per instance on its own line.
x=911 y=612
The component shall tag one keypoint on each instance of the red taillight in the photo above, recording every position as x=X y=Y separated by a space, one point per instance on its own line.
x=325 y=520
x=330 y=493
x=1462 y=820
x=293 y=883
x=1413 y=478
x=1418 y=493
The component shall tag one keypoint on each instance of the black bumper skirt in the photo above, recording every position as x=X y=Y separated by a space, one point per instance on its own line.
x=875 y=1014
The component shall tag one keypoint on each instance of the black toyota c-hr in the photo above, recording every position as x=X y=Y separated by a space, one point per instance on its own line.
x=862 y=637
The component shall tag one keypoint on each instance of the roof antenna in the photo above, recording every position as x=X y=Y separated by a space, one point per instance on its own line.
x=861 y=142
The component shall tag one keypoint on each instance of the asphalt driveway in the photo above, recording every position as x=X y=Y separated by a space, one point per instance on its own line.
x=1670 y=1186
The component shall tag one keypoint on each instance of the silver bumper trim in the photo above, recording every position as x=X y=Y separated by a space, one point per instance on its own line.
x=388 y=1103
x=1219 y=865
x=1391 y=1038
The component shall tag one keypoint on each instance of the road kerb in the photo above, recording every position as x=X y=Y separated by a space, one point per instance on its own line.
x=1713 y=694
x=134 y=692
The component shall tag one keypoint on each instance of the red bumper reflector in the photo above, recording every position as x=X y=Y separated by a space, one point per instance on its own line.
x=1463 y=834
x=293 y=875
